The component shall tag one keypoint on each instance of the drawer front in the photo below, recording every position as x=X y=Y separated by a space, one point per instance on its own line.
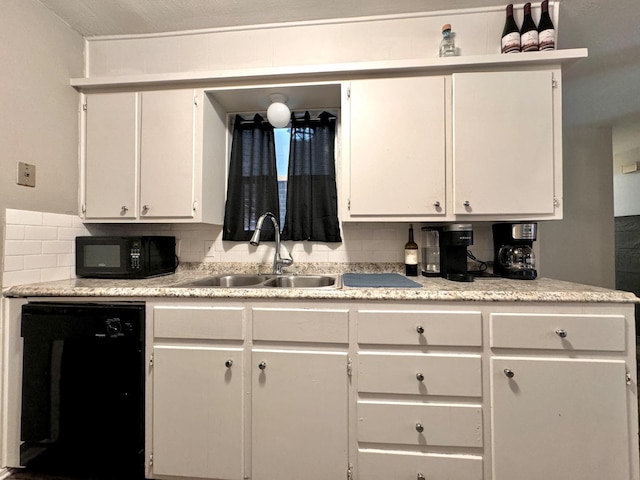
x=420 y=374
x=400 y=423
x=301 y=325
x=409 y=465
x=558 y=332
x=422 y=328
x=205 y=323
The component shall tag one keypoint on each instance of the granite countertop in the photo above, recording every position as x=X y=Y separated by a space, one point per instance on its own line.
x=432 y=289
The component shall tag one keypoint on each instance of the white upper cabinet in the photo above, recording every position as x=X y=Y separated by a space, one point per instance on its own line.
x=111 y=166
x=503 y=143
x=154 y=156
x=397 y=147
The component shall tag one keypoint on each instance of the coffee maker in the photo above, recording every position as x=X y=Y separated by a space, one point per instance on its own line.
x=513 y=250
x=454 y=239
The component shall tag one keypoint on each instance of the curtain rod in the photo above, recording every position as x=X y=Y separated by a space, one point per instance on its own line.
x=301 y=121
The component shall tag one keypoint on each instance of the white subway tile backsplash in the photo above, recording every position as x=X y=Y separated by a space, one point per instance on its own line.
x=40 y=232
x=39 y=246
x=32 y=262
x=14 y=232
x=58 y=220
x=58 y=246
x=22 y=247
x=23 y=217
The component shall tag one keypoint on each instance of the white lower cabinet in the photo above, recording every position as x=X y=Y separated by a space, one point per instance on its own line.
x=197 y=393
x=285 y=390
x=559 y=418
x=565 y=415
x=299 y=407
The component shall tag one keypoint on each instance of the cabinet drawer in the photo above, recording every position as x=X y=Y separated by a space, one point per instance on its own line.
x=393 y=327
x=301 y=325
x=378 y=465
x=558 y=332
x=399 y=423
x=420 y=374
x=205 y=323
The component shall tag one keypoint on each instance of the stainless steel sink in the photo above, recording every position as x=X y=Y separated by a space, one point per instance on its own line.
x=233 y=280
x=303 y=281
x=228 y=280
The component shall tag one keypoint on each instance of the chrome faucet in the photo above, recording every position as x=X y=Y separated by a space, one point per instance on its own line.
x=278 y=261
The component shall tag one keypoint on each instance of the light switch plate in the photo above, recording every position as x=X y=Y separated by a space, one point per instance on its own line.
x=26 y=174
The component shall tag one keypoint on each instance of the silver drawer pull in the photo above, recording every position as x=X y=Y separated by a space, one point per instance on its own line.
x=420 y=329
x=509 y=373
x=561 y=333
x=228 y=363
x=419 y=428
x=262 y=365
x=420 y=377
x=421 y=476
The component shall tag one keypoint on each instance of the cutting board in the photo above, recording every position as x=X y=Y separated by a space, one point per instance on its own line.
x=378 y=280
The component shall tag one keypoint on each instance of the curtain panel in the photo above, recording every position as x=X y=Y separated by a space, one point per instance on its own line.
x=312 y=199
x=253 y=182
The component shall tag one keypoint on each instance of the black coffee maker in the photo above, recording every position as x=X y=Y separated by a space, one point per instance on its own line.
x=454 y=240
x=513 y=250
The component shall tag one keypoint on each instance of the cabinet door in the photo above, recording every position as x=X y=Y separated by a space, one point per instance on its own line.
x=167 y=154
x=556 y=419
x=397 y=157
x=299 y=415
x=111 y=157
x=197 y=412
x=503 y=143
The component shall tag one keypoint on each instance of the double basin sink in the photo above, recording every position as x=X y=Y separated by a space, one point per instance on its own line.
x=267 y=281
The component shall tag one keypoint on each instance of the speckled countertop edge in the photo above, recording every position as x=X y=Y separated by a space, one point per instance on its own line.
x=432 y=289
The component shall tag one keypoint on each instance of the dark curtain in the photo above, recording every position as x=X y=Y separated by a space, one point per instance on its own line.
x=312 y=200
x=253 y=182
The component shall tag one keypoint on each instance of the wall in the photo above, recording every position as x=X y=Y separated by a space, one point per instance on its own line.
x=39 y=114
x=579 y=248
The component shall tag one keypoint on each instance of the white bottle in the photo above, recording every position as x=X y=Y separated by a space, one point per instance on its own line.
x=447 y=44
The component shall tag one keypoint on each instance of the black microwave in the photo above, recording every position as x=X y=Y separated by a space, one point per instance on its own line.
x=125 y=257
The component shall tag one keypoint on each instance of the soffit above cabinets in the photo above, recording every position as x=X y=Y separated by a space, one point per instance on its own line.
x=299 y=97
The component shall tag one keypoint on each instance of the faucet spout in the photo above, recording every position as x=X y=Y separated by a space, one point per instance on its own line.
x=278 y=261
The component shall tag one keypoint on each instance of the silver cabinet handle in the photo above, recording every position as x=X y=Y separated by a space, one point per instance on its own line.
x=123 y=210
x=467 y=203
x=145 y=209
x=509 y=373
x=421 y=476
x=436 y=204
x=228 y=363
x=420 y=377
x=419 y=428
x=262 y=365
x=420 y=329
x=561 y=333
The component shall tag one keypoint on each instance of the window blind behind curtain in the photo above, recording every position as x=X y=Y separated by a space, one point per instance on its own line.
x=253 y=183
x=312 y=200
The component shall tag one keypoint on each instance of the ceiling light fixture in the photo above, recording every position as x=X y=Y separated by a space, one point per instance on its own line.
x=278 y=113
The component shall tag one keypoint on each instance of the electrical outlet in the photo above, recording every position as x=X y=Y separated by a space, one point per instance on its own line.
x=26 y=174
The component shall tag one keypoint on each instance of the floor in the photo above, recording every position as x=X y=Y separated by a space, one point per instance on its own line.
x=18 y=474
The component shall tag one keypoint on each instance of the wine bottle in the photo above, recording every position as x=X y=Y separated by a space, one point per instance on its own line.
x=511 y=33
x=546 y=30
x=411 y=255
x=528 y=32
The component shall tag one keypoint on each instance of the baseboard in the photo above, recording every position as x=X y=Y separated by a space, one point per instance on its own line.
x=5 y=473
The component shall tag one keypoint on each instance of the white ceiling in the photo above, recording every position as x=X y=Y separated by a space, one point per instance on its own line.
x=603 y=89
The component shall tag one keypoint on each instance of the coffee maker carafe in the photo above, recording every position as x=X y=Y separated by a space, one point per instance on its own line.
x=513 y=250
x=454 y=240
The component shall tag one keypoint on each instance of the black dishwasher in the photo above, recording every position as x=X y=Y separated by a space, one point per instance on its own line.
x=83 y=388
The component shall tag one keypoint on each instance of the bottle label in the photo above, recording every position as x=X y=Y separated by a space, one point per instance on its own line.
x=411 y=257
x=547 y=39
x=511 y=43
x=529 y=41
